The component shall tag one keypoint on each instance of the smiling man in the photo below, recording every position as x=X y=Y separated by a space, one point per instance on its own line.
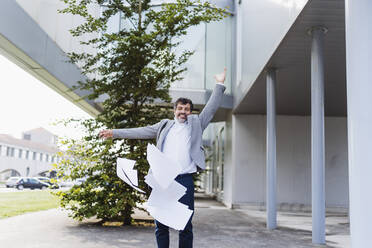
x=181 y=140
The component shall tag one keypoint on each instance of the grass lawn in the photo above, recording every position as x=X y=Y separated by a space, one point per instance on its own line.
x=16 y=203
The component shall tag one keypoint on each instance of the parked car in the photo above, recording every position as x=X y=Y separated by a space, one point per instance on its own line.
x=11 y=182
x=48 y=181
x=30 y=183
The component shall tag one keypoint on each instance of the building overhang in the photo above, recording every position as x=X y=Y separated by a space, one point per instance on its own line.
x=292 y=61
x=23 y=42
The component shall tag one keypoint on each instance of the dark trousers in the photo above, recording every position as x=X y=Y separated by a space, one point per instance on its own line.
x=185 y=236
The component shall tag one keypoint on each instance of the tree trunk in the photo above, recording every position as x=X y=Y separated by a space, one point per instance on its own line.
x=128 y=215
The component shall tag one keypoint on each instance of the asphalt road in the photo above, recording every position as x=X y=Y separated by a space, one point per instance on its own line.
x=214 y=226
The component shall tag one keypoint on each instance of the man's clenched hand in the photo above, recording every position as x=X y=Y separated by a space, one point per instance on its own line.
x=220 y=78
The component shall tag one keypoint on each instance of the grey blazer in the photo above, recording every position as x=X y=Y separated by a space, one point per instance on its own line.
x=197 y=123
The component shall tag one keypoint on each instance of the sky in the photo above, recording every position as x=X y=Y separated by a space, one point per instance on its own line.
x=27 y=103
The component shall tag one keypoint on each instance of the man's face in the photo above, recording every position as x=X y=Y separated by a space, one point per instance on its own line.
x=182 y=111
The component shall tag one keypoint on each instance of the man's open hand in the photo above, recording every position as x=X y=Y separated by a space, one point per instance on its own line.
x=220 y=78
x=105 y=134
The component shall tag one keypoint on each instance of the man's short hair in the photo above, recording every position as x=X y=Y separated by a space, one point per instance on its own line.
x=184 y=101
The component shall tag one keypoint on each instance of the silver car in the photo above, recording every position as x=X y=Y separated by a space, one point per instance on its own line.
x=11 y=182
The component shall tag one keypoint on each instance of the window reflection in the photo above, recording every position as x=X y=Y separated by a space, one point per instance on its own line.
x=212 y=44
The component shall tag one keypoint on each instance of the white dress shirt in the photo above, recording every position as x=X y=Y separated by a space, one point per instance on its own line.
x=177 y=146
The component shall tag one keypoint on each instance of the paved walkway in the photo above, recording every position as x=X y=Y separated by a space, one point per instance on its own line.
x=214 y=226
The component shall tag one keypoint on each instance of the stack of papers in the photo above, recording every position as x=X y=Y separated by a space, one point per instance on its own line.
x=164 y=206
x=163 y=202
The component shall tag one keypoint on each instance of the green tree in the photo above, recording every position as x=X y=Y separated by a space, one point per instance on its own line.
x=134 y=69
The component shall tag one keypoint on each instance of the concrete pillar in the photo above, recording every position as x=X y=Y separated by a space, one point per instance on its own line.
x=271 y=149
x=359 y=116
x=317 y=136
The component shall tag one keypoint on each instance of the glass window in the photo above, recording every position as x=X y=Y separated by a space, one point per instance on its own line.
x=10 y=151
x=34 y=156
x=221 y=145
x=194 y=77
x=33 y=180
x=218 y=160
x=20 y=152
x=27 y=154
x=27 y=136
x=239 y=50
x=46 y=158
x=215 y=166
x=218 y=52
x=41 y=156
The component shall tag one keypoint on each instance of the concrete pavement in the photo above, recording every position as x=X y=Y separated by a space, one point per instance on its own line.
x=214 y=226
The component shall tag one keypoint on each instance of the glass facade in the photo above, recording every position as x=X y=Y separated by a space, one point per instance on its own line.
x=212 y=46
x=218 y=162
x=194 y=77
x=212 y=43
x=213 y=179
x=218 y=52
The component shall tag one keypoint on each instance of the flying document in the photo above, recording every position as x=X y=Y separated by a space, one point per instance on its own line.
x=164 y=169
x=159 y=196
x=124 y=170
x=175 y=215
x=164 y=206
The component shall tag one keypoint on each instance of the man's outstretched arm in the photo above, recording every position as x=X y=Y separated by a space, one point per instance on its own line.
x=148 y=132
x=214 y=101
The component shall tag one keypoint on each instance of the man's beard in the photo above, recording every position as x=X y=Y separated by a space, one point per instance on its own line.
x=182 y=120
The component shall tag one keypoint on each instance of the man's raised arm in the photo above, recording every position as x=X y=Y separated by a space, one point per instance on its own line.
x=214 y=101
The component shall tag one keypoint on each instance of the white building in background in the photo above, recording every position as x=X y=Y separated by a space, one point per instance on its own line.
x=32 y=155
x=293 y=131
x=41 y=135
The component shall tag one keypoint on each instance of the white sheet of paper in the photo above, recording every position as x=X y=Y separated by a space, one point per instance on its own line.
x=164 y=169
x=125 y=171
x=164 y=206
x=159 y=196
x=175 y=215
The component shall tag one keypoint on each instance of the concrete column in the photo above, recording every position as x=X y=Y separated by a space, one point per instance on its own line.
x=359 y=105
x=271 y=149
x=317 y=136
